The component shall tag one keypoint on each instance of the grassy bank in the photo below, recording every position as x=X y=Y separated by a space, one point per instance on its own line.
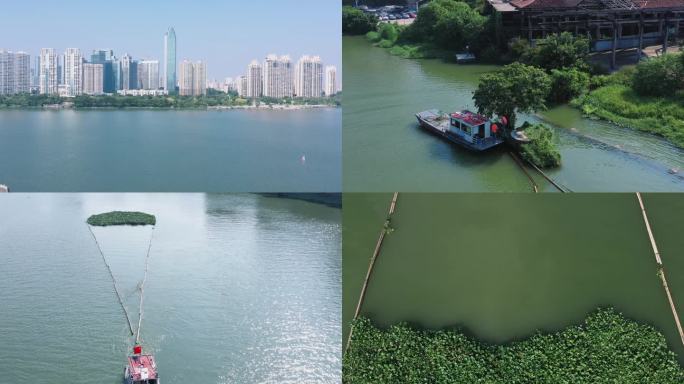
x=122 y=218
x=620 y=104
x=606 y=348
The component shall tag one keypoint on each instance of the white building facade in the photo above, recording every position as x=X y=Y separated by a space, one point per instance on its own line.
x=148 y=74
x=192 y=78
x=254 y=80
x=48 y=71
x=93 y=79
x=15 y=72
x=73 y=71
x=309 y=77
x=330 y=80
x=277 y=75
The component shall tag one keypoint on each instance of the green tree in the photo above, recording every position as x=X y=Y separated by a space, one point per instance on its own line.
x=514 y=88
x=356 y=22
x=660 y=76
x=558 y=51
x=567 y=84
x=450 y=24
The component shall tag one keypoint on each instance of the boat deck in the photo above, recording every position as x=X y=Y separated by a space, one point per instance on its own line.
x=142 y=367
x=439 y=122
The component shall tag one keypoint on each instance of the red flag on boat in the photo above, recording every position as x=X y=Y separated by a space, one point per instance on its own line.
x=137 y=349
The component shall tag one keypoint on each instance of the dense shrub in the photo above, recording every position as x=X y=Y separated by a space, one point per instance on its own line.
x=449 y=24
x=122 y=218
x=541 y=150
x=606 y=348
x=660 y=76
x=557 y=51
x=567 y=84
x=357 y=22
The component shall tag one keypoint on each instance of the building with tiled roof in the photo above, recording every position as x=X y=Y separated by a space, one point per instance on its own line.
x=609 y=24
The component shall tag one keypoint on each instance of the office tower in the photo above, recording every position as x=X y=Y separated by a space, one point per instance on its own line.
x=148 y=74
x=193 y=78
x=309 y=77
x=93 y=79
x=277 y=73
x=330 y=81
x=48 y=71
x=129 y=73
x=254 y=80
x=106 y=58
x=73 y=71
x=170 y=61
x=116 y=73
x=35 y=73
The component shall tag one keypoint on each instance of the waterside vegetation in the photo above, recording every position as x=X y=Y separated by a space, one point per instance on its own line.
x=122 y=218
x=218 y=99
x=606 y=348
x=541 y=150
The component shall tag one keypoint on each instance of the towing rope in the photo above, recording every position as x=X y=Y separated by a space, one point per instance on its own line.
x=142 y=288
x=116 y=288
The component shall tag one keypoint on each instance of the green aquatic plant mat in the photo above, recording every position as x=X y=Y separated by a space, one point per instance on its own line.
x=606 y=348
x=541 y=150
x=122 y=218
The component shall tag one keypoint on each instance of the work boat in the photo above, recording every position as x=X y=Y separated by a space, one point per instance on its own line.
x=464 y=128
x=141 y=368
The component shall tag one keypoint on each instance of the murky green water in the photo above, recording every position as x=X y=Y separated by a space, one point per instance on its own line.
x=385 y=150
x=505 y=265
x=241 y=289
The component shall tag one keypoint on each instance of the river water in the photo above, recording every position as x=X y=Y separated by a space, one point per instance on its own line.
x=171 y=151
x=241 y=289
x=502 y=266
x=385 y=150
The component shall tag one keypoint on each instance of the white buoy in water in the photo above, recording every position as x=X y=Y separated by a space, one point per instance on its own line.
x=303 y=159
x=4 y=188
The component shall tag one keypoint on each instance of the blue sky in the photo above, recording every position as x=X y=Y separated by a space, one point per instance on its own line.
x=226 y=34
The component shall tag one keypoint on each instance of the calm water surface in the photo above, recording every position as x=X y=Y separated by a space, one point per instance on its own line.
x=171 y=151
x=241 y=289
x=505 y=265
x=385 y=150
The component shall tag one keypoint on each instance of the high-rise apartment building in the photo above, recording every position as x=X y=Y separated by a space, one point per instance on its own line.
x=6 y=73
x=93 y=79
x=73 y=71
x=48 y=71
x=129 y=72
x=148 y=74
x=15 y=72
x=309 y=77
x=330 y=80
x=193 y=78
x=254 y=80
x=241 y=85
x=277 y=74
x=170 y=61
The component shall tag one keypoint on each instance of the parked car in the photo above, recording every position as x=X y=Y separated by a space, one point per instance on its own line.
x=392 y=17
x=412 y=15
x=404 y=16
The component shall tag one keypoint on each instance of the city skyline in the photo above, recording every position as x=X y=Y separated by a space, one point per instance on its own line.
x=214 y=33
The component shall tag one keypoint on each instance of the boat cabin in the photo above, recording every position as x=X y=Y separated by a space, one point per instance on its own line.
x=141 y=369
x=471 y=127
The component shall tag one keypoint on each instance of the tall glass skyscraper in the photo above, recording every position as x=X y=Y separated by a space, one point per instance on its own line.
x=170 y=61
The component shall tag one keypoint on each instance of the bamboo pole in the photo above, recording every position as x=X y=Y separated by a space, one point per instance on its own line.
x=661 y=269
x=376 y=252
x=522 y=166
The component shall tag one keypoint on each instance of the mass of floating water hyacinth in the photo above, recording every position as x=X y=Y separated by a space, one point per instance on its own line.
x=606 y=348
x=122 y=218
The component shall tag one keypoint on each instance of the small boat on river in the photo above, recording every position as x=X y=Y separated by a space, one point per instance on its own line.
x=141 y=368
x=465 y=128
